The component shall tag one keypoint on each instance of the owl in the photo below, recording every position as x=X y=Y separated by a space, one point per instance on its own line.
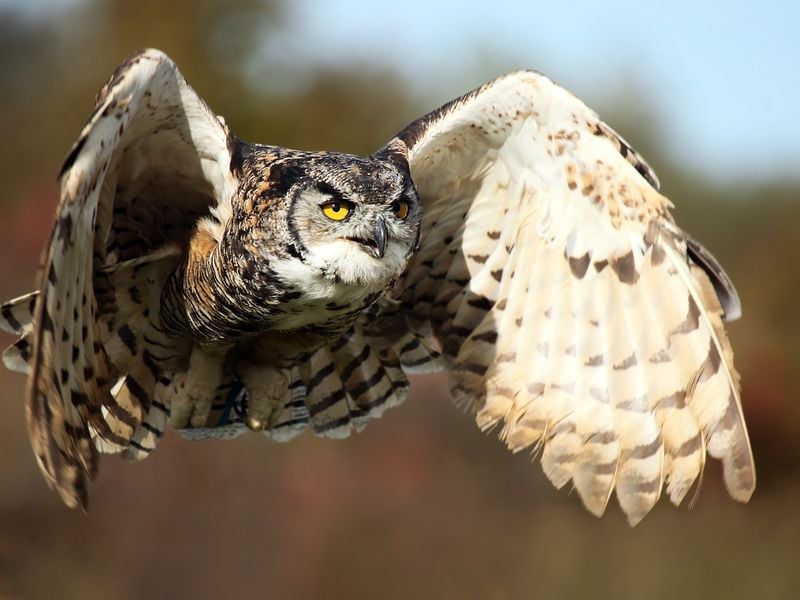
x=509 y=237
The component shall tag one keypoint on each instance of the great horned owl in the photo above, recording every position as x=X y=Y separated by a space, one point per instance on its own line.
x=510 y=237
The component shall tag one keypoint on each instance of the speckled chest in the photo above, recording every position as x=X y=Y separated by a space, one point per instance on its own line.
x=313 y=302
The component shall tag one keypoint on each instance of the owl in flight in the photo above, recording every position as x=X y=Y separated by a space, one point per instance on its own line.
x=509 y=237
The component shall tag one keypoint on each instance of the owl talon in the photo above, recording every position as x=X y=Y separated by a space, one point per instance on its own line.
x=266 y=387
x=263 y=414
x=254 y=423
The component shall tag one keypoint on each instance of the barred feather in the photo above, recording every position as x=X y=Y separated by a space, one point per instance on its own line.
x=98 y=298
x=571 y=312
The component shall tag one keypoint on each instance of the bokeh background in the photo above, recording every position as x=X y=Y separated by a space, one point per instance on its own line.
x=421 y=505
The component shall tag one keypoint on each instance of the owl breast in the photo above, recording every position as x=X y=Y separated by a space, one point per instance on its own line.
x=316 y=302
x=220 y=300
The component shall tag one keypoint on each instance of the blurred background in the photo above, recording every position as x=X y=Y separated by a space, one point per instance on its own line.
x=421 y=504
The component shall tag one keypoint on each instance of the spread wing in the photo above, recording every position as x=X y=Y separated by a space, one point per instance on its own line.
x=151 y=160
x=572 y=312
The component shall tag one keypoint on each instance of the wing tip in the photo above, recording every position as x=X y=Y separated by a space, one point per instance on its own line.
x=740 y=480
x=742 y=495
x=76 y=496
x=723 y=286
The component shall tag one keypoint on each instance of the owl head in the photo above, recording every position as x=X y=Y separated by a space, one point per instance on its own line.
x=354 y=220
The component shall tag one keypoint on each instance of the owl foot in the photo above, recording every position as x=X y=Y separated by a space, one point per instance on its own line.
x=266 y=387
x=193 y=390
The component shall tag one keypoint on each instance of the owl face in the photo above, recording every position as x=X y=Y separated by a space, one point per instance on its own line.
x=356 y=219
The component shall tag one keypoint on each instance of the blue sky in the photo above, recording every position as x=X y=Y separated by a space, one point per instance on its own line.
x=721 y=80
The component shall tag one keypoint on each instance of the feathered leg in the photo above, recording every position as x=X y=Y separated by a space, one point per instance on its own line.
x=192 y=391
x=266 y=387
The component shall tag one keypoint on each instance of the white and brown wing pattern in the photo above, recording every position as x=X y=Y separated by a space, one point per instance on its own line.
x=573 y=313
x=123 y=212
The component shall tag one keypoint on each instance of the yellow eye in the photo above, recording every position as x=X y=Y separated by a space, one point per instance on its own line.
x=401 y=209
x=336 y=211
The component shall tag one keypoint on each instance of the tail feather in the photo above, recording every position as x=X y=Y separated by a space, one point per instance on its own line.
x=349 y=383
x=335 y=390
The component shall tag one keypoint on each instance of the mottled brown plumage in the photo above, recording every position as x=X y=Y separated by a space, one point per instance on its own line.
x=510 y=237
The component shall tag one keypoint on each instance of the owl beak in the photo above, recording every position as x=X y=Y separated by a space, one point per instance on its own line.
x=376 y=243
x=380 y=236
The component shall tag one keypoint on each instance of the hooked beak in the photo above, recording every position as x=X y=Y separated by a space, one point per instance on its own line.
x=375 y=244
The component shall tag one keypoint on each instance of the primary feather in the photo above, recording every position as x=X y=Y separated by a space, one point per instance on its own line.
x=570 y=307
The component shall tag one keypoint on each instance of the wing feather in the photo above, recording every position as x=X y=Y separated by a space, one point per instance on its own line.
x=566 y=302
x=551 y=281
x=93 y=309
